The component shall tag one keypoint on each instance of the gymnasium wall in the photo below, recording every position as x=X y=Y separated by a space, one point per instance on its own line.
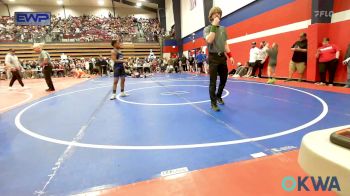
x=3 y=10
x=191 y=20
x=229 y=6
x=169 y=14
x=33 y=8
x=339 y=32
x=281 y=22
x=170 y=46
x=78 y=11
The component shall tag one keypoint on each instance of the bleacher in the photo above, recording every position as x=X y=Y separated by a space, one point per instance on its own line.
x=80 y=50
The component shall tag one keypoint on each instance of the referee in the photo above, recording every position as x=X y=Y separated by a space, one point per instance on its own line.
x=216 y=38
x=45 y=62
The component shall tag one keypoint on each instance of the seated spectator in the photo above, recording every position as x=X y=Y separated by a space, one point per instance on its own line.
x=241 y=70
x=2 y=71
x=147 y=67
x=86 y=28
x=233 y=71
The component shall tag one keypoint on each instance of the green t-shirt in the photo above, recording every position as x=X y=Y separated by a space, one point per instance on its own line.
x=219 y=42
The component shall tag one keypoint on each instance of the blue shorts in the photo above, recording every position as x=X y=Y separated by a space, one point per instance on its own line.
x=119 y=72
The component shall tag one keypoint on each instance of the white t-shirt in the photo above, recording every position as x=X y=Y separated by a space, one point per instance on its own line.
x=253 y=54
x=87 y=65
x=262 y=54
x=63 y=57
x=12 y=61
x=347 y=60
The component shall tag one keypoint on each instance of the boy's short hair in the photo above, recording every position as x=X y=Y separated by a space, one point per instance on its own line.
x=214 y=10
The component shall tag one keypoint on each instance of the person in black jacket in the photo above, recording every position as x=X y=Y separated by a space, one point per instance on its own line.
x=104 y=65
x=347 y=62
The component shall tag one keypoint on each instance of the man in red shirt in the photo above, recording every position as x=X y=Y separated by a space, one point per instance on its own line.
x=328 y=58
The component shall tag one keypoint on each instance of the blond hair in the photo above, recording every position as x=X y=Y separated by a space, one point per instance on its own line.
x=214 y=10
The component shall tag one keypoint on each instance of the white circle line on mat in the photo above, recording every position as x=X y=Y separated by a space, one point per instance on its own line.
x=172 y=147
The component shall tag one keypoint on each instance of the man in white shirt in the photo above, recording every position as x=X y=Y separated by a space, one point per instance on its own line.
x=261 y=58
x=151 y=55
x=12 y=63
x=253 y=57
x=63 y=57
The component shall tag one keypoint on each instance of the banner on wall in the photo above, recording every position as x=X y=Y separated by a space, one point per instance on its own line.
x=233 y=5
x=33 y=18
x=193 y=4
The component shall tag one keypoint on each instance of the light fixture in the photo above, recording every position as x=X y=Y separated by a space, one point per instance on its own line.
x=12 y=0
x=138 y=4
x=60 y=2
x=101 y=2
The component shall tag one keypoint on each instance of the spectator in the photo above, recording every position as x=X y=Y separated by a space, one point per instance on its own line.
x=241 y=70
x=2 y=71
x=191 y=63
x=253 y=57
x=271 y=69
x=328 y=58
x=200 y=58
x=261 y=59
x=184 y=63
x=84 y=28
x=298 y=62
x=347 y=61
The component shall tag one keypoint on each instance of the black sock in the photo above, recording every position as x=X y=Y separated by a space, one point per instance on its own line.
x=114 y=91
x=122 y=90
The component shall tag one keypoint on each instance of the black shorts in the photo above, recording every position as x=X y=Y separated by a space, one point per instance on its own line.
x=252 y=64
x=200 y=65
